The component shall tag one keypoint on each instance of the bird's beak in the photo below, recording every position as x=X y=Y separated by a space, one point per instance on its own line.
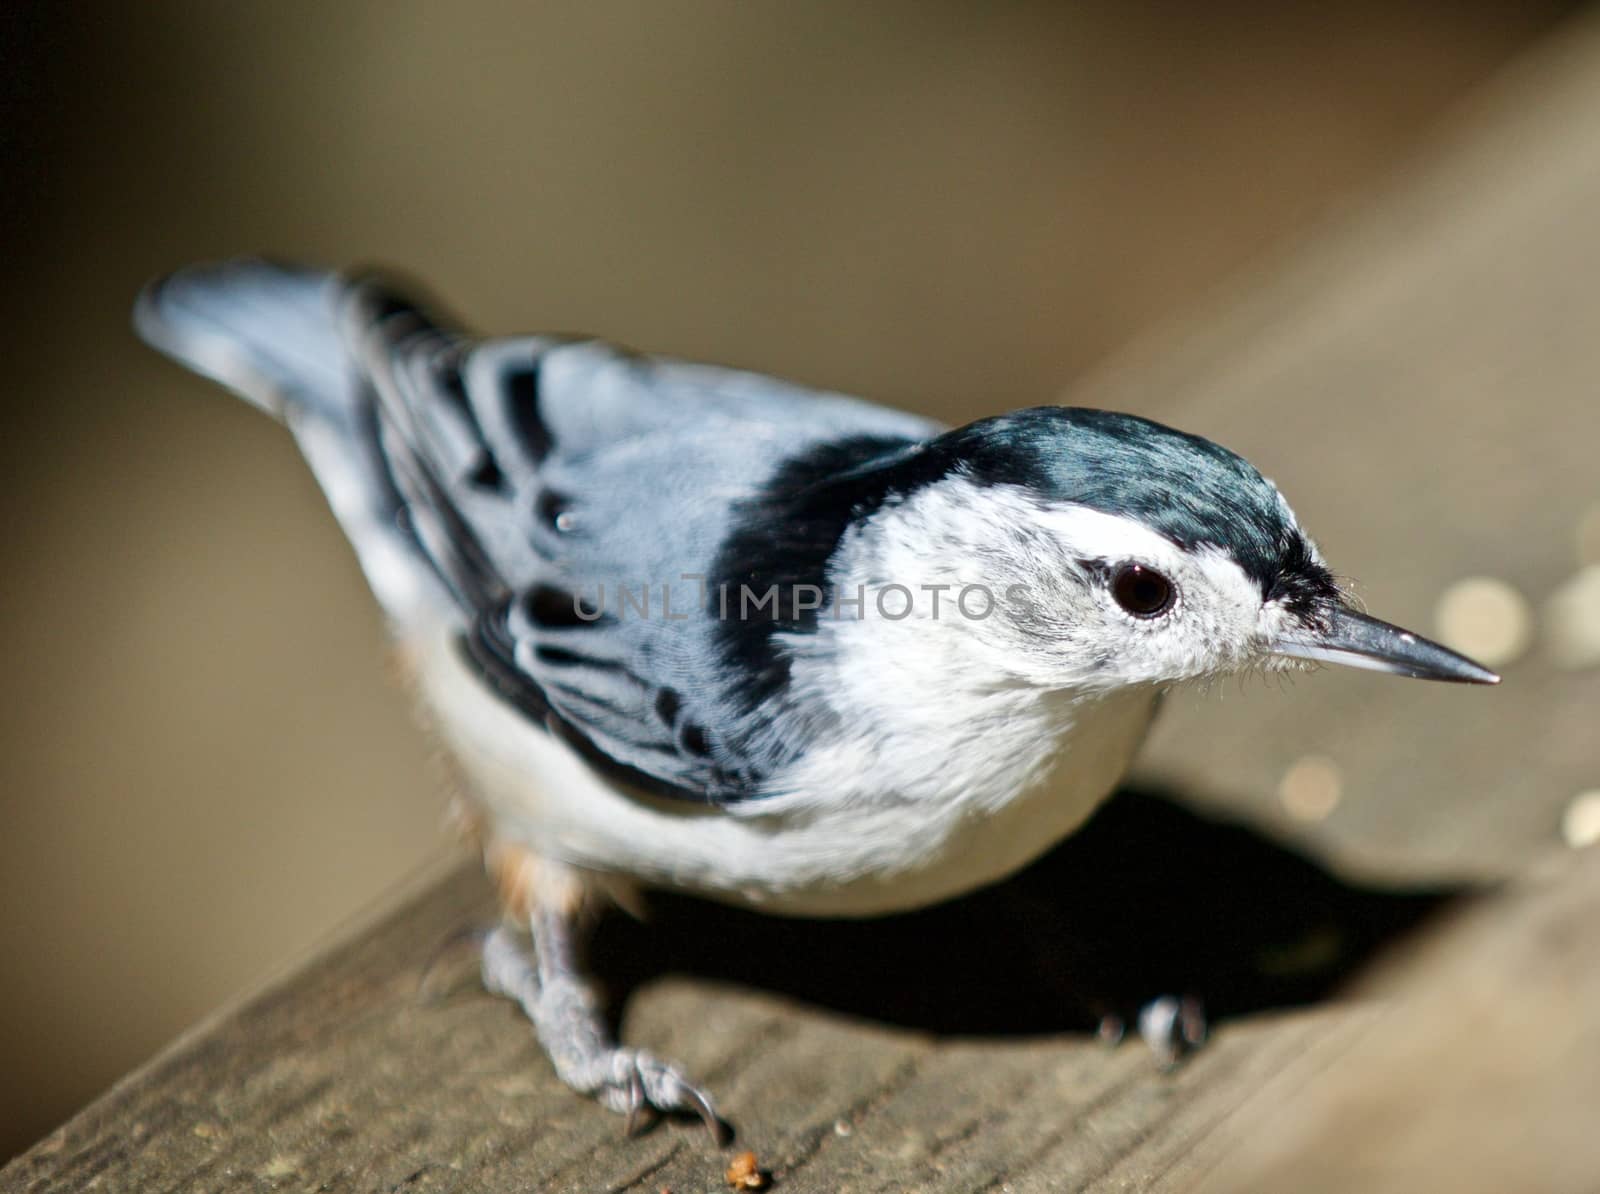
x=1359 y=641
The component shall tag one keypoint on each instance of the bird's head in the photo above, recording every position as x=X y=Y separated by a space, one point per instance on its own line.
x=1120 y=551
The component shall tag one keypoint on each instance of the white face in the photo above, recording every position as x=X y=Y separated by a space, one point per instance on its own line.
x=1133 y=606
x=1085 y=599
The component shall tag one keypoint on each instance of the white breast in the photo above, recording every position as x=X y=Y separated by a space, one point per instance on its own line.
x=962 y=795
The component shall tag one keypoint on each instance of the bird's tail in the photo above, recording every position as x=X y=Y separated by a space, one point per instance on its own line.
x=268 y=332
x=276 y=335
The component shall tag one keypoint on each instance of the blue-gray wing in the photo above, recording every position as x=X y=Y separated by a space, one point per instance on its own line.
x=569 y=503
x=579 y=501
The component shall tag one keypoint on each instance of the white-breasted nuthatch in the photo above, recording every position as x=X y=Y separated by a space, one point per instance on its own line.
x=692 y=628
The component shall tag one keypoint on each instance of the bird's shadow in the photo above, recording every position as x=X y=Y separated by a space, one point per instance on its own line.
x=1150 y=898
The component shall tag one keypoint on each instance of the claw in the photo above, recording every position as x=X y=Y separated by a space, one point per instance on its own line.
x=636 y=1103
x=1172 y=1027
x=708 y=1115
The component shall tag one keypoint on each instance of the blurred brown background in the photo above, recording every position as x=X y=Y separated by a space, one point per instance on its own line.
x=959 y=208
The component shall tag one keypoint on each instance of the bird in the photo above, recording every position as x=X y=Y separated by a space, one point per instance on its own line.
x=686 y=628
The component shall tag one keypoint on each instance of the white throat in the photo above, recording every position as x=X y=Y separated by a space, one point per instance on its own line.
x=947 y=765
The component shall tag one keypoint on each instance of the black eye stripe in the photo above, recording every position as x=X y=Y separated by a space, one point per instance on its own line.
x=1141 y=590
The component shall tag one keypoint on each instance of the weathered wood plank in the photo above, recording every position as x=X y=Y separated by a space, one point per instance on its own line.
x=344 y=1078
x=1479 y=1069
x=1462 y=308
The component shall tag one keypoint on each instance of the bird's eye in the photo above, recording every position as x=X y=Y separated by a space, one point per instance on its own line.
x=1142 y=591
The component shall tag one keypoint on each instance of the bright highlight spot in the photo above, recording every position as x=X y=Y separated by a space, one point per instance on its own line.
x=1572 y=621
x=1486 y=619
x=1311 y=788
x=1580 y=824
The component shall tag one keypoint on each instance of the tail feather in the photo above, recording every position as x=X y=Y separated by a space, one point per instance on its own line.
x=276 y=335
x=268 y=332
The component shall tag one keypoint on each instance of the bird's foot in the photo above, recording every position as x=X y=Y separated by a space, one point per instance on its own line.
x=566 y=1018
x=1170 y=1025
x=638 y=1084
x=1173 y=1026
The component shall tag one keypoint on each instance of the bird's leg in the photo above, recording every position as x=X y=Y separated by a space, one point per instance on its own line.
x=567 y=1018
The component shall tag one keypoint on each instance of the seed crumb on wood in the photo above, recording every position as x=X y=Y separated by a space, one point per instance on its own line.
x=745 y=1173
